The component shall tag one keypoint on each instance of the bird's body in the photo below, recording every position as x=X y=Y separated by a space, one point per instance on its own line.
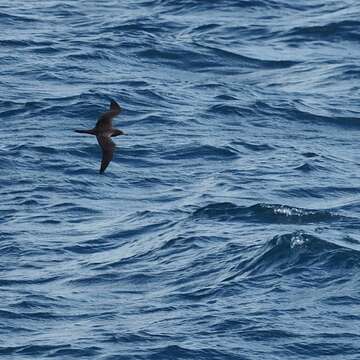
x=104 y=131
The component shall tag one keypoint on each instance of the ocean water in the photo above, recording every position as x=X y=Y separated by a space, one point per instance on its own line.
x=227 y=225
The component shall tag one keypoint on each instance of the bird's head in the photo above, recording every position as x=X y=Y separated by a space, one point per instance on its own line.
x=118 y=132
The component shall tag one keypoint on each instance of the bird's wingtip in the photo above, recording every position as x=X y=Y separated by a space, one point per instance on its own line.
x=114 y=105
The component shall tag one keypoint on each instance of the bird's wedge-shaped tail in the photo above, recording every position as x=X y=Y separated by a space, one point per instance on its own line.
x=103 y=131
x=90 y=132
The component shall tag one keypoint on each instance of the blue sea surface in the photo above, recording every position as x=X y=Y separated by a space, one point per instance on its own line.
x=227 y=225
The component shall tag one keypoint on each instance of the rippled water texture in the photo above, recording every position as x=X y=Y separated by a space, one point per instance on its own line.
x=227 y=225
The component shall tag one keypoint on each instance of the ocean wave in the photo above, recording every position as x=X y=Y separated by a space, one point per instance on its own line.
x=16 y=43
x=193 y=6
x=249 y=61
x=49 y=350
x=267 y=213
x=181 y=58
x=201 y=151
x=340 y=30
x=296 y=253
x=253 y=146
x=177 y=351
x=226 y=109
x=306 y=167
x=11 y=19
x=343 y=121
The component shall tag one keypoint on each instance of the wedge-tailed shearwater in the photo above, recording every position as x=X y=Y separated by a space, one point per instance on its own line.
x=103 y=131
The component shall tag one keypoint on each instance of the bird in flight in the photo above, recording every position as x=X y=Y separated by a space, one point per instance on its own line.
x=104 y=131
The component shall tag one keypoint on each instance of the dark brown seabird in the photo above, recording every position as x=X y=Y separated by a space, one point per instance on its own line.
x=104 y=131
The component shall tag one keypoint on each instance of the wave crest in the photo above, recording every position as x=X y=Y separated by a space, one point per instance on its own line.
x=269 y=213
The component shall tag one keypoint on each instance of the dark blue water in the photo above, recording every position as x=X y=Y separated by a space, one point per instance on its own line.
x=227 y=226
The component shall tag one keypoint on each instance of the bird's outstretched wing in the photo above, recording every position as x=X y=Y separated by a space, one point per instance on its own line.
x=108 y=147
x=105 y=118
